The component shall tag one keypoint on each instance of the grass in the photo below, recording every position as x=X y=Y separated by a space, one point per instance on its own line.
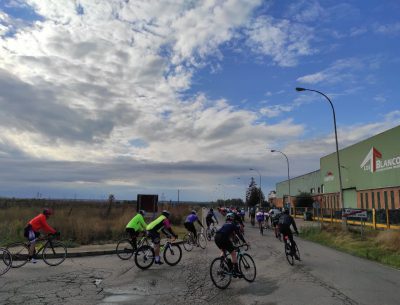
x=81 y=223
x=380 y=246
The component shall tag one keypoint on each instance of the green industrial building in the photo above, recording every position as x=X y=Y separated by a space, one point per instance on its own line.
x=370 y=172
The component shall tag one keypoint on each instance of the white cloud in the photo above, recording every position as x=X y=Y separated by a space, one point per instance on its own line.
x=282 y=40
x=393 y=28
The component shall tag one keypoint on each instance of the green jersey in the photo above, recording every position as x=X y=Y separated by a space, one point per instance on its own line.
x=137 y=223
x=156 y=224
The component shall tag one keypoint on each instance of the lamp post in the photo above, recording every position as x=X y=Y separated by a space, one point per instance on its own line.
x=288 y=176
x=336 y=139
x=253 y=169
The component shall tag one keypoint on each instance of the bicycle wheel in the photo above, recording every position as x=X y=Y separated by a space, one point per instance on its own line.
x=188 y=242
x=247 y=267
x=172 y=254
x=219 y=273
x=54 y=253
x=124 y=249
x=6 y=259
x=144 y=257
x=297 y=252
x=201 y=240
x=19 y=254
x=208 y=234
x=288 y=253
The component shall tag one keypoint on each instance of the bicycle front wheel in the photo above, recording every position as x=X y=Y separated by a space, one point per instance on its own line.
x=201 y=240
x=297 y=252
x=124 y=249
x=19 y=254
x=219 y=273
x=247 y=267
x=54 y=253
x=188 y=242
x=6 y=259
x=144 y=257
x=172 y=254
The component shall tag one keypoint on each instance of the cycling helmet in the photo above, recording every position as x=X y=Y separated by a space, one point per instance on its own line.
x=142 y=212
x=194 y=212
x=166 y=213
x=47 y=212
x=230 y=216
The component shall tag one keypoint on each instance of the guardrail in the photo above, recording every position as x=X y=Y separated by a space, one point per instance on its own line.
x=377 y=219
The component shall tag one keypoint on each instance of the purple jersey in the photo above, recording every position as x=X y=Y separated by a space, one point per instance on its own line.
x=191 y=218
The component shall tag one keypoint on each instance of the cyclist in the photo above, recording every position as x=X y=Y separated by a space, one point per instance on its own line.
x=189 y=224
x=252 y=215
x=135 y=227
x=242 y=213
x=260 y=219
x=163 y=224
x=274 y=216
x=223 y=240
x=33 y=228
x=285 y=221
x=209 y=218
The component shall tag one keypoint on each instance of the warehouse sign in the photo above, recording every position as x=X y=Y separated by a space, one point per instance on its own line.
x=371 y=162
x=329 y=177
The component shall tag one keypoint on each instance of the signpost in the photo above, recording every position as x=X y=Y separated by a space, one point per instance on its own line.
x=362 y=214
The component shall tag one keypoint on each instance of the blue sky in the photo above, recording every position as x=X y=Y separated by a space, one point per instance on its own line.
x=129 y=97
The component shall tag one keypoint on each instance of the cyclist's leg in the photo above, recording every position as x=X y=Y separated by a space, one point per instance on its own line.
x=133 y=236
x=155 y=238
x=292 y=242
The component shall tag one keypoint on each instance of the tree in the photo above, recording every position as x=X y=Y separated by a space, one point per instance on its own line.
x=253 y=194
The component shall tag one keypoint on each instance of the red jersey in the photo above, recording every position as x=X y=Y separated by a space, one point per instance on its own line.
x=40 y=223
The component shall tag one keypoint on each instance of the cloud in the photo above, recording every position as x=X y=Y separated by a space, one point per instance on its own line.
x=391 y=29
x=340 y=71
x=282 y=40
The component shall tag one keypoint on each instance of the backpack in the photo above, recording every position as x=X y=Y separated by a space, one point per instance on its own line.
x=285 y=220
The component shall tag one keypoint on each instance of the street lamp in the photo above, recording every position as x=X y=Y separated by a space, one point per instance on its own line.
x=288 y=176
x=337 y=146
x=253 y=169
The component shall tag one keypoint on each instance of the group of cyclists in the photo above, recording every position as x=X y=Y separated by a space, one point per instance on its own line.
x=232 y=229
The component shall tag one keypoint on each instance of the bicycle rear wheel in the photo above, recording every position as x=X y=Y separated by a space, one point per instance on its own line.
x=247 y=267
x=124 y=249
x=54 y=253
x=219 y=273
x=208 y=234
x=201 y=240
x=19 y=254
x=6 y=261
x=297 y=252
x=172 y=254
x=188 y=242
x=288 y=253
x=144 y=257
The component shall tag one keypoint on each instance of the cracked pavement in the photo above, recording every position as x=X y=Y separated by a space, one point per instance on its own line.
x=324 y=276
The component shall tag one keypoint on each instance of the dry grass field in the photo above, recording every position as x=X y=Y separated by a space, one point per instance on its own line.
x=80 y=223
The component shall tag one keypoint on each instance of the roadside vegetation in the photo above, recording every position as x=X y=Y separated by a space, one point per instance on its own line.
x=81 y=223
x=380 y=246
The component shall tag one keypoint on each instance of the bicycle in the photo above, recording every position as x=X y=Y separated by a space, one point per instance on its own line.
x=189 y=241
x=5 y=256
x=53 y=252
x=261 y=227
x=210 y=231
x=126 y=247
x=145 y=256
x=290 y=256
x=221 y=268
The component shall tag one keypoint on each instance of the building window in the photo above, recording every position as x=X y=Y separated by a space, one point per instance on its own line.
x=386 y=200
x=373 y=200
x=392 y=199
x=362 y=200
x=319 y=190
x=366 y=201
x=378 y=195
x=312 y=190
x=322 y=189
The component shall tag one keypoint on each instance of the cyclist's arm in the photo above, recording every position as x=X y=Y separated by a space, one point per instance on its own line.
x=239 y=234
x=167 y=230
x=142 y=223
x=198 y=220
x=294 y=226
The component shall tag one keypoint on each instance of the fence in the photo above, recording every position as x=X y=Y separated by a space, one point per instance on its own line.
x=376 y=218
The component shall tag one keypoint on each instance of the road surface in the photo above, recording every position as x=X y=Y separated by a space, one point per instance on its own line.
x=324 y=276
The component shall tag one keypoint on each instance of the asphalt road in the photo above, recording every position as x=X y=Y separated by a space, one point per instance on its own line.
x=324 y=276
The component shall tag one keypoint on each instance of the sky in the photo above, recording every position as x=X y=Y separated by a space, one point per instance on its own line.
x=151 y=97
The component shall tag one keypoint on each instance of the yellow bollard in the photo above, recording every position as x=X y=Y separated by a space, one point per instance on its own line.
x=387 y=219
x=374 y=218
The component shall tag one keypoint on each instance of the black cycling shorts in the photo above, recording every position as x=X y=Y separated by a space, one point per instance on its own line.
x=29 y=229
x=155 y=237
x=223 y=242
x=132 y=232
